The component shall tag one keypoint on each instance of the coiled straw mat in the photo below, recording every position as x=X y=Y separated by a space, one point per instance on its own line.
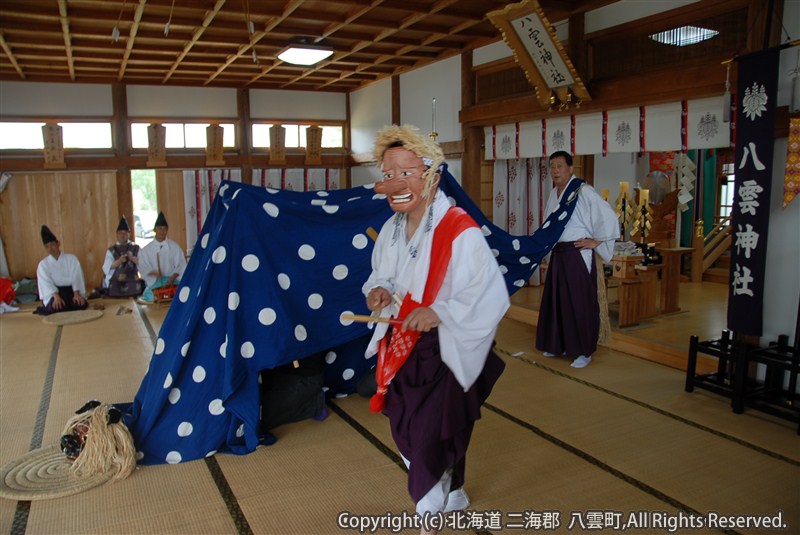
x=72 y=317
x=43 y=474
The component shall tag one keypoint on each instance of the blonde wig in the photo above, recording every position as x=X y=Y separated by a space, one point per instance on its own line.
x=411 y=139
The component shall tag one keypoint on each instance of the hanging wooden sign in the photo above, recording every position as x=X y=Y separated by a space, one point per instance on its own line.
x=53 y=146
x=541 y=55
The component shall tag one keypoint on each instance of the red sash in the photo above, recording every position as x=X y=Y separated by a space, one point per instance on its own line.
x=392 y=358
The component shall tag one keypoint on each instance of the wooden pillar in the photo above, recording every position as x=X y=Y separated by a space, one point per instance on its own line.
x=243 y=133
x=472 y=135
x=122 y=146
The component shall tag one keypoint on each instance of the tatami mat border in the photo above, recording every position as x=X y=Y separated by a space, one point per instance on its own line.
x=681 y=419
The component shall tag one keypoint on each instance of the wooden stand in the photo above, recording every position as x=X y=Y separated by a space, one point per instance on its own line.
x=671 y=277
x=647 y=295
x=629 y=302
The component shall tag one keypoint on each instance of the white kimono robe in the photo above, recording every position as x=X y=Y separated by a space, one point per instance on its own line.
x=593 y=218
x=167 y=255
x=471 y=302
x=64 y=271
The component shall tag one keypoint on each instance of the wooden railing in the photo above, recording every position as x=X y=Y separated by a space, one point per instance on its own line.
x=708 y=248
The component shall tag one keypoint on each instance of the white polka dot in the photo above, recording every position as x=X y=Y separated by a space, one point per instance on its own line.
x=330 y=357
x=451 y=200
x=495 y=252
x=519 y=283
x=199 y=374
x=486 y=230
x=340 y=272
x=185 y=429
x=284 y=281
x=215 y=407
x=271 y=209
x=174 y=395
x=322 y=193
x=267 y=316
x=168 y=381
x=572 y=195
x=185 y=348
x=235 y=193
x=211 y=453
x=222 y=190
x=233 y=301
x=306 y=252
x=503 y=269
x=223 y=349
x=378 y=197
x=360 y=241
x=524 y=260
x=159 y=346
x=173 y=457
x=250 y=263
x=272 y=190
x=184 y=294
x=300 y=333
x=546 y=224
x=348 y=374
x=344 y=321
x=515 y=244
x=219 y=254
x=210 y=315
x=562 y=216
x=240 y=431
x=139 y=455
x=315 y=301
x=204 y=241
x=331 y=208
x=247 y=350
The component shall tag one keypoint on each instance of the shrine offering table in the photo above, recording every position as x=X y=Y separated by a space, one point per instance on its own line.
x=671 y=277
x=647 y=293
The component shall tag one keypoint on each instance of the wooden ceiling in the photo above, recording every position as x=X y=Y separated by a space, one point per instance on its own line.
x=209 y=42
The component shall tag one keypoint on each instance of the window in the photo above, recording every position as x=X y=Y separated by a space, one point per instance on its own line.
x=182 y=135
x=74 y=135
x=727 y=189
x=332 y=135
x=145 y=205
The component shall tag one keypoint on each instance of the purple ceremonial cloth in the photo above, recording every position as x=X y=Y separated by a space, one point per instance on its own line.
x=66 y=294
x=431 y=416
x=569 y=317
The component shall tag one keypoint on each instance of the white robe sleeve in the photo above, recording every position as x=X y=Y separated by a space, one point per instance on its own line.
x=603 y=221
x=44 y=278
x=107 y=269
x=147 y=262
x=470 y=304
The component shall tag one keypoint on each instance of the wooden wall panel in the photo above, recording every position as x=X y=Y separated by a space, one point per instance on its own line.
x=169 y=188
x=80 y=209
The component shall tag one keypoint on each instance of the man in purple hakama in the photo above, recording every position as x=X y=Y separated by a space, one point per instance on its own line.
x=569 y=315
x=433 y=270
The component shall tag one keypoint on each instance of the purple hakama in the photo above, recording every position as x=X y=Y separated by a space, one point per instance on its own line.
x=569 y=317
x=430 y=415
x=66 y=294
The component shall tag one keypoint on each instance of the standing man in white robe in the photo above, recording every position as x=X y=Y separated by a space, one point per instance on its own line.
x=162 y=261
x=60 y=279
x=569 y=316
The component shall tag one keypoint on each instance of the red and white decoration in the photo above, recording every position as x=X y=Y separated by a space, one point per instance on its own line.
x=199 y=189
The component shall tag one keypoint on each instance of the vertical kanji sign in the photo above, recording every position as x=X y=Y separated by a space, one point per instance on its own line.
x=755 y=137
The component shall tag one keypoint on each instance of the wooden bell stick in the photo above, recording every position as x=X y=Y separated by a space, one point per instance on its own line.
x=363 y=318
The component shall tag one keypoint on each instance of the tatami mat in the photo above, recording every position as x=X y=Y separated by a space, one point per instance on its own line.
x=620 y=436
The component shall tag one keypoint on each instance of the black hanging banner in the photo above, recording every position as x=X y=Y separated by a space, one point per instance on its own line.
x=755 y=138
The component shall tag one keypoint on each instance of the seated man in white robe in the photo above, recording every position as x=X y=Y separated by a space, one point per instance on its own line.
x=60 y=279
x=161 y=262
